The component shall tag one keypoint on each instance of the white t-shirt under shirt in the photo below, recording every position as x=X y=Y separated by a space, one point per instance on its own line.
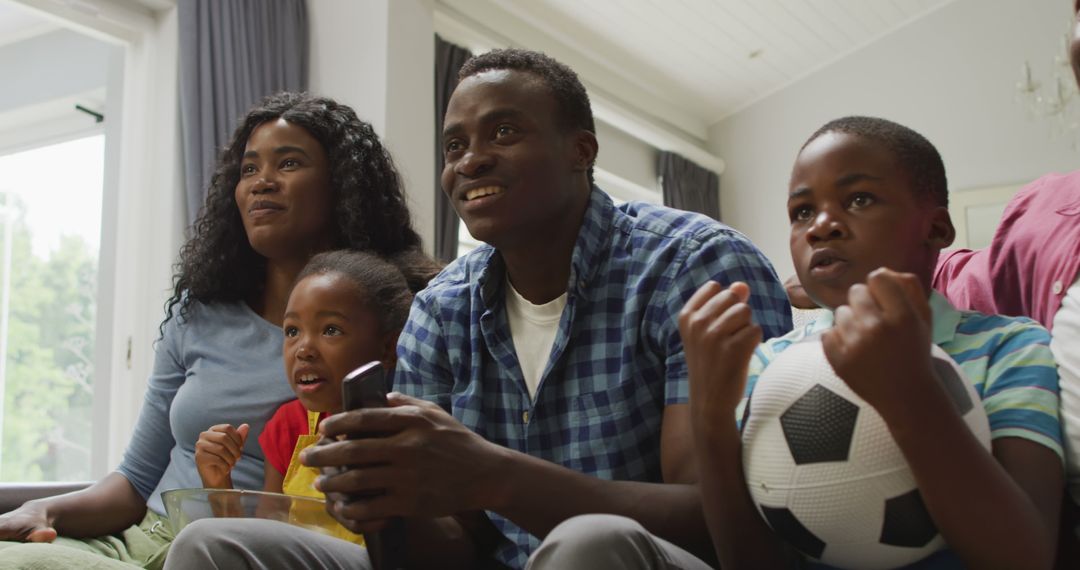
x=533 y=328
x=1065 y=344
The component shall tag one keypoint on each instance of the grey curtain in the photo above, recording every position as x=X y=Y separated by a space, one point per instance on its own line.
x=448 y=60
x=688 y=186
x=232 y=54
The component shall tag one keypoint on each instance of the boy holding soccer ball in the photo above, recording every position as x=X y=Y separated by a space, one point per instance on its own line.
x=868 y=209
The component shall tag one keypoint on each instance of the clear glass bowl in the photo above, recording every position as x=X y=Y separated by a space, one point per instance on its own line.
x=186 y=505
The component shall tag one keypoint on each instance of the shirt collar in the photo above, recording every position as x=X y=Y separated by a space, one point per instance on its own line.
x=593 y=240
x=946 y=319
x=588 y=250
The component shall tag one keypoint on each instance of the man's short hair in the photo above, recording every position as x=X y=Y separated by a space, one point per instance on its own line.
x=573 y=102
x=916 y=156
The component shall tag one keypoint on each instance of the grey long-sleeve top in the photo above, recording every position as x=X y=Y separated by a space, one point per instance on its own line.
x=222 y=364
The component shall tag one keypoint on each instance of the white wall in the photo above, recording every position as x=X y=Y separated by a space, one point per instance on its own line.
x=951 y=76
x=378 y=56
x=410 y=108
x=626 y=156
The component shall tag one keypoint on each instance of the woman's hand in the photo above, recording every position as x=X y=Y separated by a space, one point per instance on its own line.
x=29 y=523
x=216 y=453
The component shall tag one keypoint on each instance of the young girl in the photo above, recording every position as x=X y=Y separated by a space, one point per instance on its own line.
x=346 y=309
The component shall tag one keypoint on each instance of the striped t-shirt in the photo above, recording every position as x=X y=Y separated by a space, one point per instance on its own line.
x=1008 y=360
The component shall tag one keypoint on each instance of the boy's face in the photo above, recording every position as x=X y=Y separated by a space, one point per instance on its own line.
x=852 y=210
x=329 y=331
x=510 y=164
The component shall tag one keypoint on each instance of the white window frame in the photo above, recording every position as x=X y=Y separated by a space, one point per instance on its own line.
x=52 y=123
x=141 y=216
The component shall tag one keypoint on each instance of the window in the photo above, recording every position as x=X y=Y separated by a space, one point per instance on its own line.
x=51 y=200
x=117 y=59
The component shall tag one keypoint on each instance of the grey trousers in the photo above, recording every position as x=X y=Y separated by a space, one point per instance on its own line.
x=595 y=542
x=601 y=542
x=259 y=544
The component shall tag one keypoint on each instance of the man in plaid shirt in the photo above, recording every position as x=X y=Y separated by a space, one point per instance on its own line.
x=542 y=375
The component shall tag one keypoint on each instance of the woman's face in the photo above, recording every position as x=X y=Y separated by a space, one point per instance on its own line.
x=284 y=193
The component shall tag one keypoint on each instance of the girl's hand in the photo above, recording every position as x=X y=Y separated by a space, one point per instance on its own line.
x=216 y=453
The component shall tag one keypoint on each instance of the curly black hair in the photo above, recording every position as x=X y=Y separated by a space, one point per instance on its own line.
x=570 y=95
x=370 y=212
x=917 y=156
x=388 y=284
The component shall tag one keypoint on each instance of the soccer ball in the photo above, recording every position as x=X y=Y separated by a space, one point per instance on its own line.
x=826 y=474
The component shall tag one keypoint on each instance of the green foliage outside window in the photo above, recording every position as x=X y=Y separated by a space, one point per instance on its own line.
x=49 y=380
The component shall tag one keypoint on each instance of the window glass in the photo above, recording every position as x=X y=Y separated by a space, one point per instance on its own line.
x=50 y=226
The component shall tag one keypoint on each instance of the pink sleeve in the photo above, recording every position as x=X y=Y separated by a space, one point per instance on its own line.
x=963 y=277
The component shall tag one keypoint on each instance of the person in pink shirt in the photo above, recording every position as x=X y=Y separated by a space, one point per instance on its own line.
x=1033 y=260
x=1032 y=268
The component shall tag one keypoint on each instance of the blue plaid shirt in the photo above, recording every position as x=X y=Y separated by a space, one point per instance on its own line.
x=617 y=360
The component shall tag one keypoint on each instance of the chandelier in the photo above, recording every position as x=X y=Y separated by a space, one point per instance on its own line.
x=1053 y=98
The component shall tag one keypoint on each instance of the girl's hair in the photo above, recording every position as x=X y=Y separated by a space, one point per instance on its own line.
x=387 y=284
x=370 y=213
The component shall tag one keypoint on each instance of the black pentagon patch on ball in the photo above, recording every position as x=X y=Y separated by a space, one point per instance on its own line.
x=819 y=426
x=907 y=522
x=953 y=384
x=784 y=523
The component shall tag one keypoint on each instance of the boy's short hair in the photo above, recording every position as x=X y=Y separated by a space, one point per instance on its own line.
x=916 y=155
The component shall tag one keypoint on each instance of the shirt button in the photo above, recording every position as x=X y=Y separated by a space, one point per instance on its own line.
x=525 y=416
x=1058 y=287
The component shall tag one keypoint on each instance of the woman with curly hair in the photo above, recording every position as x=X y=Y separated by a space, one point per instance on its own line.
x=301 y=175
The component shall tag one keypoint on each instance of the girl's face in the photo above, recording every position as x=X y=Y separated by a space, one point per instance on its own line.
x=284 y=193
x=329 y=331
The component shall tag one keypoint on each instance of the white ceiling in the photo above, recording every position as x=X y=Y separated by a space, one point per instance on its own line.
x=687 y=63
x=704 y=58
x=17 y=23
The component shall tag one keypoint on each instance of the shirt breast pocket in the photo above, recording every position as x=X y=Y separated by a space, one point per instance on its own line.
x=614 y=436
x=601 y=407
x=1070 y=210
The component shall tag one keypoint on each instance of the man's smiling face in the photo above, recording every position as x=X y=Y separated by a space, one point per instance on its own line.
x=510 y=161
